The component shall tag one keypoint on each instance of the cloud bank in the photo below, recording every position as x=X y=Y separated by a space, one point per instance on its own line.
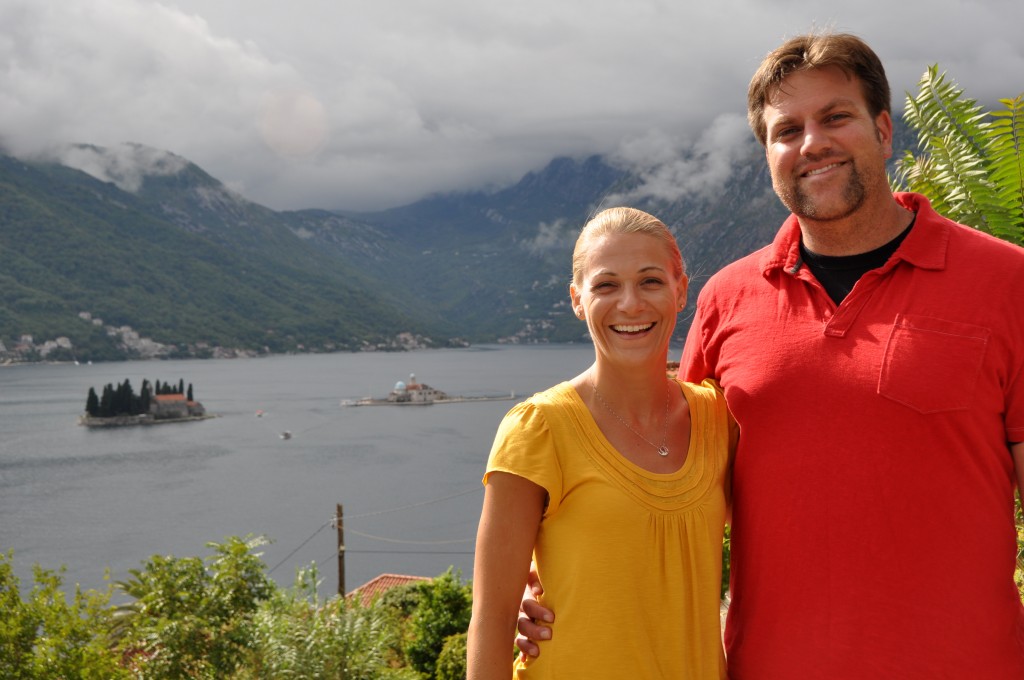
x=371 y=105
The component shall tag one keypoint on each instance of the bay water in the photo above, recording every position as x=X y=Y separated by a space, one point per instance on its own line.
x=408 y=478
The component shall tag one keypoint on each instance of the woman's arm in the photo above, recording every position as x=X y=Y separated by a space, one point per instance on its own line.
x=504 y=545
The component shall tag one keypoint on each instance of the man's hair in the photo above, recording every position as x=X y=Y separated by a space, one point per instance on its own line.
x=812 y=51
x=624 y=220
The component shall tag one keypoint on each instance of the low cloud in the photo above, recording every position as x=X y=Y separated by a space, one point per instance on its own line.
x=672 y=169
x=551 y=237
x=365 y=106
x=125 y=165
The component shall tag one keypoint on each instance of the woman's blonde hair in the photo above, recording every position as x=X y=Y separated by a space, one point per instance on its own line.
x=624 y=220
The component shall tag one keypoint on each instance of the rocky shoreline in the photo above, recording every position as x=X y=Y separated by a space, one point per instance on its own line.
x=142 y=419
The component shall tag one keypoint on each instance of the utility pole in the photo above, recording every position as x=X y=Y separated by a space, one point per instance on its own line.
x=340 y=526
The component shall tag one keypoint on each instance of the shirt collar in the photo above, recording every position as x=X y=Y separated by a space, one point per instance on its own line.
x=925 y=246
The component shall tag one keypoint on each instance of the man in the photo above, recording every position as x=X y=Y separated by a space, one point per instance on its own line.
x=873 y=356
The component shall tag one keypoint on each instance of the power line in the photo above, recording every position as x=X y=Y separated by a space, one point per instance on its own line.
x=333 y=520
x=288 y=557
x=418 y=505
x=397 y=540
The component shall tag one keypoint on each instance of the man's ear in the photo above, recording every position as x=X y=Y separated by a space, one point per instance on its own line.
x=883 y=127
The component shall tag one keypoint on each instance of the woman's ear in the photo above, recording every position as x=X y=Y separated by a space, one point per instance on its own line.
x=684 y=283
x=574 y=299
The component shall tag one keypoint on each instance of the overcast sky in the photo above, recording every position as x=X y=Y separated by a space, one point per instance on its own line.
x=367 y=105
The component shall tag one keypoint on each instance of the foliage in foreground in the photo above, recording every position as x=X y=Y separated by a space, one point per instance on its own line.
x=222 y=617
x=297 y=636
x=970 y=165
x=46 y=636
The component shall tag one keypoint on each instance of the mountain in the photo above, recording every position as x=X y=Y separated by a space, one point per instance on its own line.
x=181 y=261
x=500 y=262
x=138 y=252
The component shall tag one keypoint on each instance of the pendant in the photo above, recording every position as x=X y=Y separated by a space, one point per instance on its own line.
x=663 y=451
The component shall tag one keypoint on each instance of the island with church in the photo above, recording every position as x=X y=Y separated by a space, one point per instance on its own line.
x=415 y=393
x=154 y=404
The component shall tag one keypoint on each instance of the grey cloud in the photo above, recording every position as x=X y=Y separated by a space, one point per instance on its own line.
x=670 y=170
x=369 y=105
x=125 y=165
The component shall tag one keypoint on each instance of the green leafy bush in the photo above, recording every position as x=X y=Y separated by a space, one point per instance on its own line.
x=443 y=610
x=451 y=664
x=295 y=636
x=188 y=620
x=45 y=637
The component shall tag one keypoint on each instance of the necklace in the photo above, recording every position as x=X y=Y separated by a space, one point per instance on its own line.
x=662 y=450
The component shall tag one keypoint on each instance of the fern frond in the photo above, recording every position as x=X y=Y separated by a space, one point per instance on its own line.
x=970 y=165
x=1006 y=158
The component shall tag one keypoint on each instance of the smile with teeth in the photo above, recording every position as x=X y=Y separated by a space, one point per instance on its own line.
x=818 y=171
x=632 y=328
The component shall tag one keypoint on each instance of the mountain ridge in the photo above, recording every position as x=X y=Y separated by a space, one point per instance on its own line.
x=176 y=257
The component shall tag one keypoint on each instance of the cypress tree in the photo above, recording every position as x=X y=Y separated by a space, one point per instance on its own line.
x=106 y=409
x=92 y=403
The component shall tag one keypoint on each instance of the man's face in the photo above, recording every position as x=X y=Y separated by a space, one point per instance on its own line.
x=825 y=151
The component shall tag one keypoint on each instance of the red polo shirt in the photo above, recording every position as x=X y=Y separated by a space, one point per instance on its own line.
x=873 y=532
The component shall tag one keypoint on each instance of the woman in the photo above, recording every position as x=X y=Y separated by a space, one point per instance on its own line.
x=617 y=476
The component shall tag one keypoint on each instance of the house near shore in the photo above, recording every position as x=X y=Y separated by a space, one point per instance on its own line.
x=379 y=585
x=169 y=406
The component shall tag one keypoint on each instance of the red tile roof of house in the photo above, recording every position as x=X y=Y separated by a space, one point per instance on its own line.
x=169 y=397
x=381 y=584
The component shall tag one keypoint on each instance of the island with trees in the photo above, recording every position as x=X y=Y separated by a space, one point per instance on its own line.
x=154 y=404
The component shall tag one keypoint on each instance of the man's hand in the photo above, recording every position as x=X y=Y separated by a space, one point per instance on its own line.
x=530 y=611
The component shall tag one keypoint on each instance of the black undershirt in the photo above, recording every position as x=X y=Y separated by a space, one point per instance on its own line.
x=838 y=274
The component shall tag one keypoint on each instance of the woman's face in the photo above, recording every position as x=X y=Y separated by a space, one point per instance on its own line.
x=629 y=297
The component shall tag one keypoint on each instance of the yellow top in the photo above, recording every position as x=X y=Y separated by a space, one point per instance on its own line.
x=631 y=560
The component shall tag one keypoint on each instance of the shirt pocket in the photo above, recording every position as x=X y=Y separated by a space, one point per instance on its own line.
x=932 y=365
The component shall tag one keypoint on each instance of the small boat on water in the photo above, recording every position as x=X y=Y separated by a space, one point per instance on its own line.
x=415 y=393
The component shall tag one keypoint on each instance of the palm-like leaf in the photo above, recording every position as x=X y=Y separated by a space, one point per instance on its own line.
x=1007 y=159
x=970 y=165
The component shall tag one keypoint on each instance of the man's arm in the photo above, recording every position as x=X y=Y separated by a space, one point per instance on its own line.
x=694 y=364
x=530 y=611
x=1018 y=463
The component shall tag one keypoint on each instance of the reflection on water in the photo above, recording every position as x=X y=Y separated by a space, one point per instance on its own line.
x=408 y=478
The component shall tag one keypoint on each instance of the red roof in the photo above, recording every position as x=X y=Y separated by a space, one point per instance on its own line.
x=381 y=584
x=170 y=397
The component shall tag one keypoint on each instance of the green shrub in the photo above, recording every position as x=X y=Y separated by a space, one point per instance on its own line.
x=190 y=620
x=295 y=638
x=451 y=664
x=444 y=610
x=46 y=637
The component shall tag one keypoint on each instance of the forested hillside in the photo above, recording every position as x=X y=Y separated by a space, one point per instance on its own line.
x=177 y=265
